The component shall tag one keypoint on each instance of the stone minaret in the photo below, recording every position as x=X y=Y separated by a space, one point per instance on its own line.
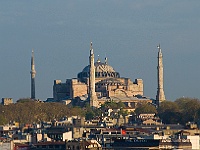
x=33 y=73
x=160 y=97
x=92 y=93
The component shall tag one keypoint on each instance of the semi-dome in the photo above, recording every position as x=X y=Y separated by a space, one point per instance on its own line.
x=102 y=70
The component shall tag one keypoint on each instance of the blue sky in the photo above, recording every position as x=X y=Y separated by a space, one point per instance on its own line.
x=127 y=32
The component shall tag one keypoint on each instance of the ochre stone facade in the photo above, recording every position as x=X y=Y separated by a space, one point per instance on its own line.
x=7 y=101
x=104 y=87
x=108 y=85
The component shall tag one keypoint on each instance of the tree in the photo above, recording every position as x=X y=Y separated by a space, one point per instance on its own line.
x=145 y=108
x=24 y=100
x=77 y=110
x=113 y=105
x=33 y=111
x=121 y=105
x=189 y=108
x=89 y=115
x=169 y=112
x=123 y=112
x=3 y=120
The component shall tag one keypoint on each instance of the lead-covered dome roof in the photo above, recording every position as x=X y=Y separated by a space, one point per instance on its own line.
x=99 y=67
x=102 y=70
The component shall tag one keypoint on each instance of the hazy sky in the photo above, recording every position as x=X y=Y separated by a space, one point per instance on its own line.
x=126 y=31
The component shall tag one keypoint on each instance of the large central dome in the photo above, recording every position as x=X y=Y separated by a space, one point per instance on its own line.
x=102 y=70
x=99 y=67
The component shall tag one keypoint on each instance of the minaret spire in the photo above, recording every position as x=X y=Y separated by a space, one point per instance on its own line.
x=91 y=49
x=92 y=93
x=106 y=60
x=160 y=97
x=33 y=73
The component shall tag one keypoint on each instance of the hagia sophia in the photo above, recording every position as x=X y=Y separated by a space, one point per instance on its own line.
x=98 y=82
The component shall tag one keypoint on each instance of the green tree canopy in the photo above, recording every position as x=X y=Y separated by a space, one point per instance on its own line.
x=113 y=105
x=182 y=110
x=189 y=108
x=169 y=112
x=24 y=100
x=33 y=111
x=145 y=108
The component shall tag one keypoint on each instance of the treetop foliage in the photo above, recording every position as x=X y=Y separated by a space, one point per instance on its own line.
x=145 y=109
x=29 y=111
x=182 y=110
x=112 y=105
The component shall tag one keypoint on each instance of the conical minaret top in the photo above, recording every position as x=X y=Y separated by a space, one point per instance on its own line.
x=160 y=97
x=159 y=52
x=33 y=73
x=91 y=49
